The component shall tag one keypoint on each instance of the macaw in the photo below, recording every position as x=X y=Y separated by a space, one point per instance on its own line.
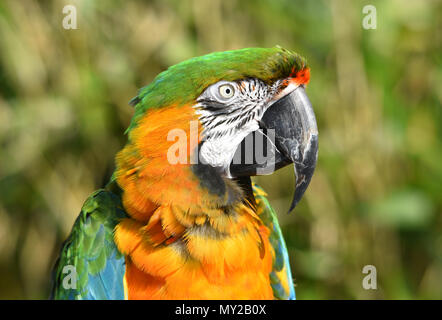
x=184 y=220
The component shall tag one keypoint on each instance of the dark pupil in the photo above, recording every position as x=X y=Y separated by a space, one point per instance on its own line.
x=227 y=91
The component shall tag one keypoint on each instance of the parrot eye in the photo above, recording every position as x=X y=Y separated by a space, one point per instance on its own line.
x=226 y=91
x=219 y=94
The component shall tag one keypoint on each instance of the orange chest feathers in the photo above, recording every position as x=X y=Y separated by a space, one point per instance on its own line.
x=180 y=240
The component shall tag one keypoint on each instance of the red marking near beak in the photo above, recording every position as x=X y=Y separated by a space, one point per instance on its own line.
x=300 y=77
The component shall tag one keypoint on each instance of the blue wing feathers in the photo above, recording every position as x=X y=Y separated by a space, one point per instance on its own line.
x=90 y=248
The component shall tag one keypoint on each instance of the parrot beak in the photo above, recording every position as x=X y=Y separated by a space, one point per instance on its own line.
x=288 y=134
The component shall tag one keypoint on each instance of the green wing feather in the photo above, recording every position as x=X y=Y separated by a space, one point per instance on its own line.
x=91 y=252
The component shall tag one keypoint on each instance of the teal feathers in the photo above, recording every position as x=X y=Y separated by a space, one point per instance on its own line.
x=91 y=250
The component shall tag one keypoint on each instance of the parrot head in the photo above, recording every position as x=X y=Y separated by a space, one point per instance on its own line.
x=252 y=113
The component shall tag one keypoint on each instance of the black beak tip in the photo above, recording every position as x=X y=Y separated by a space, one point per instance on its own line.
x=304 y=170
x=299 y=192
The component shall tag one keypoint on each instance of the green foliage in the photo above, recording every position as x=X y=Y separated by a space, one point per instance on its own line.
x=375 y=197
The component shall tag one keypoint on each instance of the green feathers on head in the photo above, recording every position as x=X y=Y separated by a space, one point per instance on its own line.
x=184 y=82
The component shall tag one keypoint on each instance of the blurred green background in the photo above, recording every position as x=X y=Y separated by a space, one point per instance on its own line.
x=375 y=198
